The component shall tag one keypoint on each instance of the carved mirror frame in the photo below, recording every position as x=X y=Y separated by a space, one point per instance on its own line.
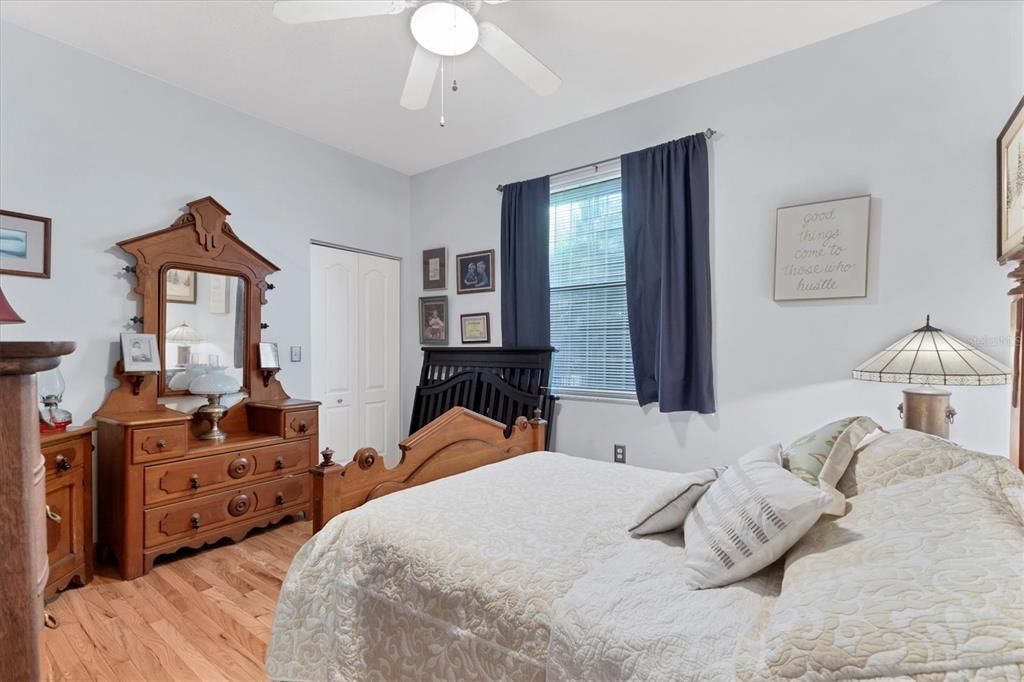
x=203 y=241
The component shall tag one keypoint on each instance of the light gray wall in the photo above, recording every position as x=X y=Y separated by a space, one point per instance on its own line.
x=906 y=110
x=108 y=153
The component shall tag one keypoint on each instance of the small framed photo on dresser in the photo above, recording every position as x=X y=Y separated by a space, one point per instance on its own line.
x=476 y=328
x=435 y=269
x=475 y=272
x=139 y=353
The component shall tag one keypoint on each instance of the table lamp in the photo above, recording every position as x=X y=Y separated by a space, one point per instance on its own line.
x=926 y=358
x=215 y=384
x=7 y=314
x=184 y=336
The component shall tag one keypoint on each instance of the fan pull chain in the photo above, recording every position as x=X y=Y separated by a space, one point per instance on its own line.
x=442 y=92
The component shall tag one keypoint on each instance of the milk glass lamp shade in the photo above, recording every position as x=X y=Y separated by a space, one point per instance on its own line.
x=214 y=382
x=930 y=356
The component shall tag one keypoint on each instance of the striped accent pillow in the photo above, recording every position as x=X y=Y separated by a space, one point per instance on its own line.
x=667 y=509
x=747 y=519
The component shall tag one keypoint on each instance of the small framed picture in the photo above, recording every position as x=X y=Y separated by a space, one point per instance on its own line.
x=434 y=320
x=180 y=286
x=139 y=353
x=435 y=269
x=269 y=359
x=1010 y=158
x=476 y=328
x=24 y=245
x=475 y=272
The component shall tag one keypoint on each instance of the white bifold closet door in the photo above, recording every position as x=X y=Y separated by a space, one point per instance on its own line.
x=355 y=356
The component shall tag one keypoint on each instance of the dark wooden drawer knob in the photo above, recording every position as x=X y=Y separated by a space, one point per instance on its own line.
x=193 y=481
x=63 y=463
x=279 y=498
x=303 y=427
x=279 y=463
x=239 y=467
x=196 y=522
x=239 y=504
x=161 y=444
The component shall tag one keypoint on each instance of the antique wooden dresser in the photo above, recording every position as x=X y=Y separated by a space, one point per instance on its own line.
x=163 y=484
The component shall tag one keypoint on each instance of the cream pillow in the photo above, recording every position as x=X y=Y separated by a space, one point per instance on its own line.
x=747 y=519
x=667 y=509
x=822 y=456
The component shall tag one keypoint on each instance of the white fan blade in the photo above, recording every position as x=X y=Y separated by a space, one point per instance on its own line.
x=516 y=59
x=495 y=2
x=420 y=81
x=305 y=11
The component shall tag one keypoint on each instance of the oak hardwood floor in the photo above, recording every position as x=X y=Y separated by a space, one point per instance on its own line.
x=198 y=615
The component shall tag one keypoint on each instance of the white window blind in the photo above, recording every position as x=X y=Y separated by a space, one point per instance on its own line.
x=589 y=323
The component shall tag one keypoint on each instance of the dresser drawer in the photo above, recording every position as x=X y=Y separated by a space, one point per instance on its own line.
x=192 y=517
x=63 y=457
x=194 y=477
x=300 y=423
x=159 y=442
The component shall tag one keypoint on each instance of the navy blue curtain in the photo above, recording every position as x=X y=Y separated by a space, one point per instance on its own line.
x=525 y=282
x=668 y=273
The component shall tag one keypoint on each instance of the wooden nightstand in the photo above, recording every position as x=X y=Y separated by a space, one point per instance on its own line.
x=68 y=456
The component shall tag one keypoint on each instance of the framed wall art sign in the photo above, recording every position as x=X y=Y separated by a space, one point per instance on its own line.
x=475 y=272
x=821 y=249
x=1010 y=173
x=476 y=328
x=435 y=269
x=24 y=245
x=434 y=320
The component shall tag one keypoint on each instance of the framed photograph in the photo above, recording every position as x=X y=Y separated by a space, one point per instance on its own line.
x=220 y=293
x=435 y=269
x=139 y=353
x=24 y=245
x=821 y=249
x=476 y=328
x=181 y=286
x=269 y=359
x=434 y=320
x=1010 y=174
x=475 y=272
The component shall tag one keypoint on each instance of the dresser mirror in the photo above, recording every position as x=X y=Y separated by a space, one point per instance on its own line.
x=202 y=327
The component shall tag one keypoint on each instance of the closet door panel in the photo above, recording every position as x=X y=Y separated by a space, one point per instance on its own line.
x=378 y=353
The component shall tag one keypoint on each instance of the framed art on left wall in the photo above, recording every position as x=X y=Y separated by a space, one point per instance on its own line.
x=24 y=244
x=1010 y=175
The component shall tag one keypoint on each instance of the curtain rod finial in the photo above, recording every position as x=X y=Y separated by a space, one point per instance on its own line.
x=709 y=133
x=500 y=188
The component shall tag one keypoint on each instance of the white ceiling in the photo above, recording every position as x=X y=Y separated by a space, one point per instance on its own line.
x=339 y=82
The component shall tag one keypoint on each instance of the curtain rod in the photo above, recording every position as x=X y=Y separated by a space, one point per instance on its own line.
x=709 y=133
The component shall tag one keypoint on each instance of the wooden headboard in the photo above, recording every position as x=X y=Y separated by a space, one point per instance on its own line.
x=457 y=441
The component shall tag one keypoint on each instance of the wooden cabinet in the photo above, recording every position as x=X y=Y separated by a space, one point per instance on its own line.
x=68 y=465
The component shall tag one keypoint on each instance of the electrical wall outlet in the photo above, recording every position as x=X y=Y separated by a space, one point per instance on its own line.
x=296 y=352
x=620 y=453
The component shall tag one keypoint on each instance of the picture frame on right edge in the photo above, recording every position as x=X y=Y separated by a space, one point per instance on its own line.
x=434 y=320
x=139 y=353
x=821 y=249
x=1010 y=192
x=476 y=328
x=435 y=269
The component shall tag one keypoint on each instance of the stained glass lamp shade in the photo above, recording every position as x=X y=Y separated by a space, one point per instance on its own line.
x=930 y=356
x=184 y=334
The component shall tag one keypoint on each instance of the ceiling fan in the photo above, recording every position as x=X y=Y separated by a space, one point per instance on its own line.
x=442 y=28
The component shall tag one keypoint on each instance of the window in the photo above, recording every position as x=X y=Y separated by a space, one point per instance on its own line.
x=589 y=323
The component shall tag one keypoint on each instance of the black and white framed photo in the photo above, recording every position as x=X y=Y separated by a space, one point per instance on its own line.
x=269 y=358
x=821 y=249
x=24 y=245
x=434 y=320
x=180 y=286
x=476 y=328
x=139 y=353
x=435 y=269
x=475 y=272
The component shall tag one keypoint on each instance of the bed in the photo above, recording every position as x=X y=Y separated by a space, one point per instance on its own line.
x=521 y=568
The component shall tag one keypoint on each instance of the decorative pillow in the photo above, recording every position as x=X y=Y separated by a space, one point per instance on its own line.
x=821 y=457
x=747 y=519
x=667 y=509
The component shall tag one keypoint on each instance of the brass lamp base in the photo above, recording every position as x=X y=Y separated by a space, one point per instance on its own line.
x=927 y=409
x=213 y=411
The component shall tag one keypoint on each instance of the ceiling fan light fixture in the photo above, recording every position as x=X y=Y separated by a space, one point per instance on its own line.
x=444 y=28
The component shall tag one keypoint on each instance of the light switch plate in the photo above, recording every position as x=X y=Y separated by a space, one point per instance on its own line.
x=296 y=353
